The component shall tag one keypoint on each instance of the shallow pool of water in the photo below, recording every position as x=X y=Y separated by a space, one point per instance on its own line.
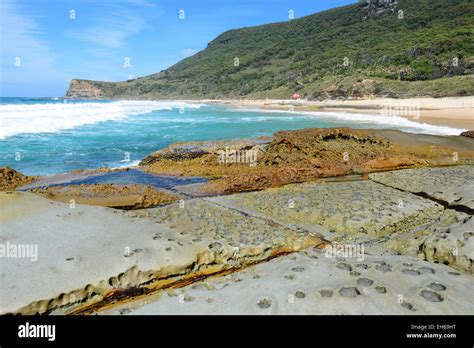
x=122 y=177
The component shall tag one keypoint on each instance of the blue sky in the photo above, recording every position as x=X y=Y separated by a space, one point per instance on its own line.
x=44 y=44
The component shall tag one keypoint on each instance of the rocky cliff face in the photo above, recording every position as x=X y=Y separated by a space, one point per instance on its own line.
x=83 y=89
x=378 y=7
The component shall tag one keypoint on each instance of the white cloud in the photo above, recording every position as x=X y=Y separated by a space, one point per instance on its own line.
x=143 y=3
x=113 y=31
x=187 y=52
x=118 y=21
x=19 y=36
x=21 y=41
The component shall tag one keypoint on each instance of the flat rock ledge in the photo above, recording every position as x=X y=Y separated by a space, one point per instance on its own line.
x=126 y=197
x=88 y=255
x=355 y=208
x=452 y=186
x=311 y=283
x=250 y=253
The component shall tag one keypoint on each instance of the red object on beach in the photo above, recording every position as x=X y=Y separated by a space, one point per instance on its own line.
x=295 y=96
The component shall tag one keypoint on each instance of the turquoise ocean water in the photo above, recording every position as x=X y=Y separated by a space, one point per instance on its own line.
x=41 y=136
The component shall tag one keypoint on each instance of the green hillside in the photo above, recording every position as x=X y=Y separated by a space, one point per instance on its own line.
x=401 y=49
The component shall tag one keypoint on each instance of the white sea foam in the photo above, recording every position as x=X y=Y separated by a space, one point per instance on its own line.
x=52 y=117
x=127 y=164
x=381 y=121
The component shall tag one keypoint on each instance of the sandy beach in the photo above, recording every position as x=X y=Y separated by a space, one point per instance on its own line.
x=455 y=112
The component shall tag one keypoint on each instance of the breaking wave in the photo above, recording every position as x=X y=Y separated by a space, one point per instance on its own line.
x=53 y=117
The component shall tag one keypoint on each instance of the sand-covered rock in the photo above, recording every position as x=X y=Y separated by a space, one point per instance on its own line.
x=452 y=185
x=453 y=245
x=357 y=207
x=10 y=179
x=108 y=195
x=312 y=283
x=92 y=256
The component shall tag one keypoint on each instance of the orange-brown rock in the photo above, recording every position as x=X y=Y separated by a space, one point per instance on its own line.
x=109 y=195
x=308 y=154
x=186 y=151
x=11 y=179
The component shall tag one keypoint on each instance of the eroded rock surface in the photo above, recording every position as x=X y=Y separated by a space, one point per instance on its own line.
x=108 y=195
x=86 y=255
x=10 y=179
x=416 y=256
x=190 y=150
x=358 y=207
x=305 y=155
x=453 y=185
x=311 y=283
x=453 y=245
x=409 y=242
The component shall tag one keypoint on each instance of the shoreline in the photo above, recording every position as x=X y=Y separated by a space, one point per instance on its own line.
x=456 y=112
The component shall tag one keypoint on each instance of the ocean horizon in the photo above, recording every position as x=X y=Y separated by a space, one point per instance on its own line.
x=41 y=136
